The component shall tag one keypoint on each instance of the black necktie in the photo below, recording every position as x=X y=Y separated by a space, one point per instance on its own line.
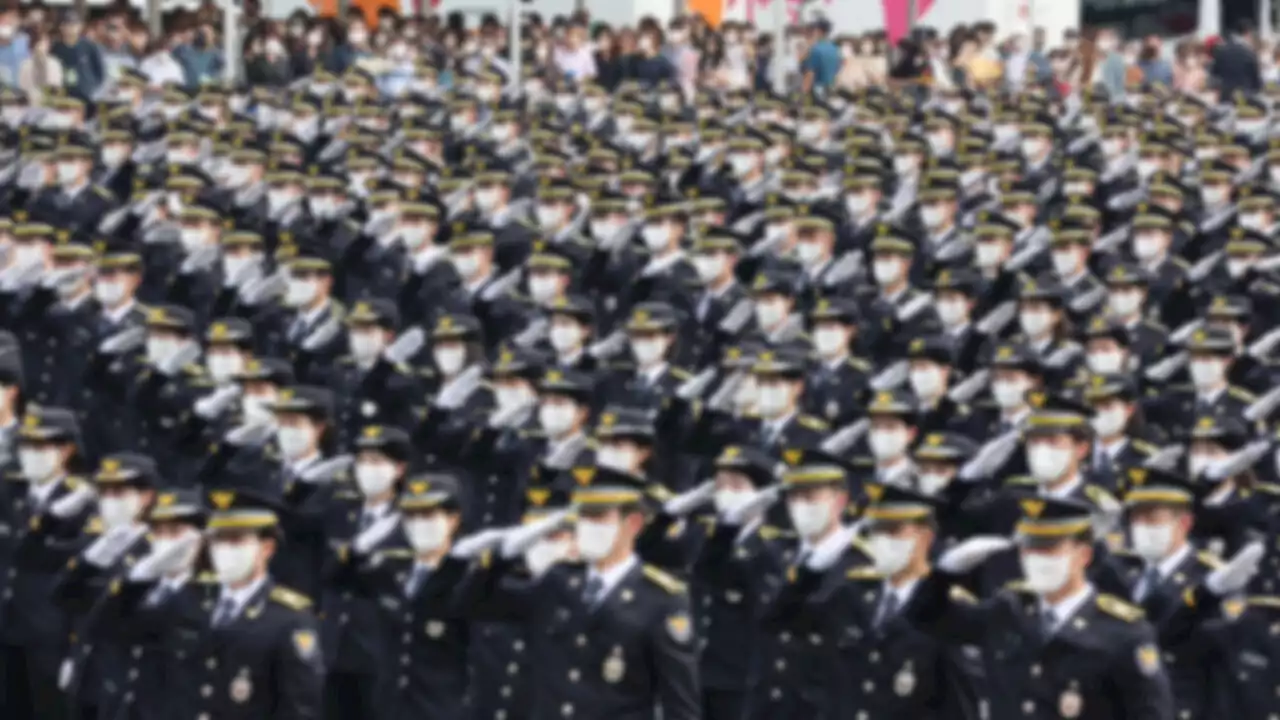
x=591 y=593
x=416 y=578
x=224 y=613
x=1150 y=578
x=888 y=608
x=1048 y=623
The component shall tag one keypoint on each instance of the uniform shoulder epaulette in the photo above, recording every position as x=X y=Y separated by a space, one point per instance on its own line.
x=193 y=369
x=1267 y=488
x=959 y=594
x=396 y=552
x=680 y=373
x=208 y=577
x=861 y=545
x=402 y=368
x=1115 y=607
x=1145 y=447
x=104 y=193
x=1209 y=559
x=1018 y=586
x=769 y=532
x=352 y=226
x=1240 y=393
x=1266 y=601
x=866 y=572
x=813 y=423
x=1020 y=480
x=751 y=415
x=346 y=360
x=1181 y=263
x=15 y=475
x=94 y=526
x=1101 y=497
x=663 y=580
x=290 y=598
x=1157 y=326
x=859 y=364
x=74 y=482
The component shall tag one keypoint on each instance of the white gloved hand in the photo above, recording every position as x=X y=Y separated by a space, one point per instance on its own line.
x=456 y=391
x=252 y=434
x=375 y=534
x=1239 y=570
x=185 y=355
x=405 y=346
x=123 y=341
x=248 y=273
x=162 y=562
x=105 y=552
x=322 y=335
x=476 y=544
x=215 y=403
x=72 y=503
x=759 y=502
x=327 y=471
x=255 y=293
x=63 y=278
x=690 y=500
x=202 y=259
x=516 y=540
x=508 y=416
x=971 y=553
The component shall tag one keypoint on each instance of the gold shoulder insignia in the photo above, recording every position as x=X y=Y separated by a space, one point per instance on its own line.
x=289 y=598
x=709 y=521
x=1267 y=601
x=1018 y=586
x=74 y=482
x=1100 y=497
x=862 y=546
x=207 y=578
x=813 y=423
x=680 y=373
x=959 y=595
x=859 y=364
x=1241 y=394
x=1267 y=488
x=94 y=526
x=1145 y=447
x=769 y=532
x=1020 y=480
x=1209 y=559
x=1156 y=326
x=104 y=193
x=664 y=580
x=1182 y=263
x=864 y=573
x=396 y=553
x=1234 y=608
x=1115 y=607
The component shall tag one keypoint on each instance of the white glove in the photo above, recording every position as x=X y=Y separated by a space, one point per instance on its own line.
x=428 y=258
x=261 y=291
x=845 y=437
x=501 y=286
x=737 y=317
x=327 y=471
x=1239 y=570
x=891 y=377
x=322 y=335
x=63 y=278
x=609 y=346
x=508 y=417
x=826 y=555
x=532 y=333
x=475 y=545
x=696 y=385
x=20 y=276
x=516 y=540
x=722 y=399
x=375 y=534
x=405 y=346
x=162 y=562
x=252 y=434
x=107 y=549
x=971 y=553
x=245 y=274
x=200 y=260
x=456 y=391
x=73 y=503
x=758 y=503
x=690 y=500
x=185 y=355
x=217 y=402
x=123 y=341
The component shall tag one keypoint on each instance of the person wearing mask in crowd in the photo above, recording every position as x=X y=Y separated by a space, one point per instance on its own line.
x=1110 y=70
x=113 y=48
x=353 y=46
x=822 y=63
x=15 y=46
x=201 y=58
x=574 y=59
x=649 y=66
x=610 y=68
x=42 y=72
x=81 y=60
x=269 y=62
x=161 y=66
x=1189 y=73
x=1155 y=69
x=682 y=56
x=1235 y=63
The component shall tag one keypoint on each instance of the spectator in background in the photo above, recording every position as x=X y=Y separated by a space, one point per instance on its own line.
x=201 y=58
x=42 y=71
x=1039 y=58
x=1235 y=64
x=1155 y=69
x=875 y=59
x=822 y=62
x=307 y=51
x=610 y=68
x=1064 y=69
x=15 y=46
x=650 y=66
x=1110 y=68
x=739 y=57
x=81 y=59
x=161 y=66
x=682 y=56
x=574 y=58
x=113 y=48
x=353 y=45
x=1189 y=72
x=268 y=63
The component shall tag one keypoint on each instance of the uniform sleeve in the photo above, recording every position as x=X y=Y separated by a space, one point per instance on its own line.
x=299 y=672
x=674 y=659
x=1140 y=681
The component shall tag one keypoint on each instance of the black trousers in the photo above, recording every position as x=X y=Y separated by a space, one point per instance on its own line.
x=29 y=690
x=722 y=704
x=350 y=695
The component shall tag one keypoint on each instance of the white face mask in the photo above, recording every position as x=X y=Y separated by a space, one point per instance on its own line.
x=988 y=254
x=375 y=478
x=1206 y=373
x=487 y=200
x=616 y=458
x=414 y=236
x=467 y=265
x=887 y=444
x=932 y=483
x=549 y=217
x=933 y=217
x=709 y=267
x=557 y=419
x=952 y=312
x=770 y=314
x=1151 y=542
x=729 y=501
x=1048 y=463
x=939 y=143
x=1045 y=574
x=595 y=539
x=119 y=511
x=926 y=382
x=1253 y=221
x=256 y=408
x=427 y=535
x=648 y=352
x=365 y=346
x=1032 y=148
x=1237 y=267
x=511 y=396
x=656 y=237
x=857 y=205
x=742 y=165
x=809 y=518
x=1065 y=263
x=1105 y=363
x=233 y=563
x=449 y=360
x=545 y=553
x=1147 y=247
x=544 y=288
x=38 y=466
x=565 y=338
x=294 y=441
x=160 y=350
x=810 y=254
x=1008 y=394
x=886 y=271
x=774 y=400
x=603 y=230
x=1112 y=148
x=1198 y=463
x=830 y=341
x=891 y=554
x=1110 y=422
x=299 y=293
x=1147 y=168
x=1035 y=323
x=1125 y=303
x=108 y=293
x=68 y=173
x=1213 y=196
x=223 y=366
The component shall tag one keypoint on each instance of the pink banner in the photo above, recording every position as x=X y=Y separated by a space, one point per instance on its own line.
x=896 y=16
x=793 y=7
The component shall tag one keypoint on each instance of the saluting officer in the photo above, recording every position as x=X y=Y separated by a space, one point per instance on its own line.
x=1056 y=646
x=261 y=645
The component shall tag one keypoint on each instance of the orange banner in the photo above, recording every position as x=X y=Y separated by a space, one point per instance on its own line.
x=712 y=10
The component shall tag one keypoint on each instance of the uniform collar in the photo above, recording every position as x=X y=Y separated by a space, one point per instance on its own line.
x=1066 y=608
x=611 y=578
x=118 y=315
x=1168 y=565
x=240 y=598
x=42 y=492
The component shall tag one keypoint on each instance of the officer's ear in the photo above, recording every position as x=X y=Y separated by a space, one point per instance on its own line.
x=1082 y=448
